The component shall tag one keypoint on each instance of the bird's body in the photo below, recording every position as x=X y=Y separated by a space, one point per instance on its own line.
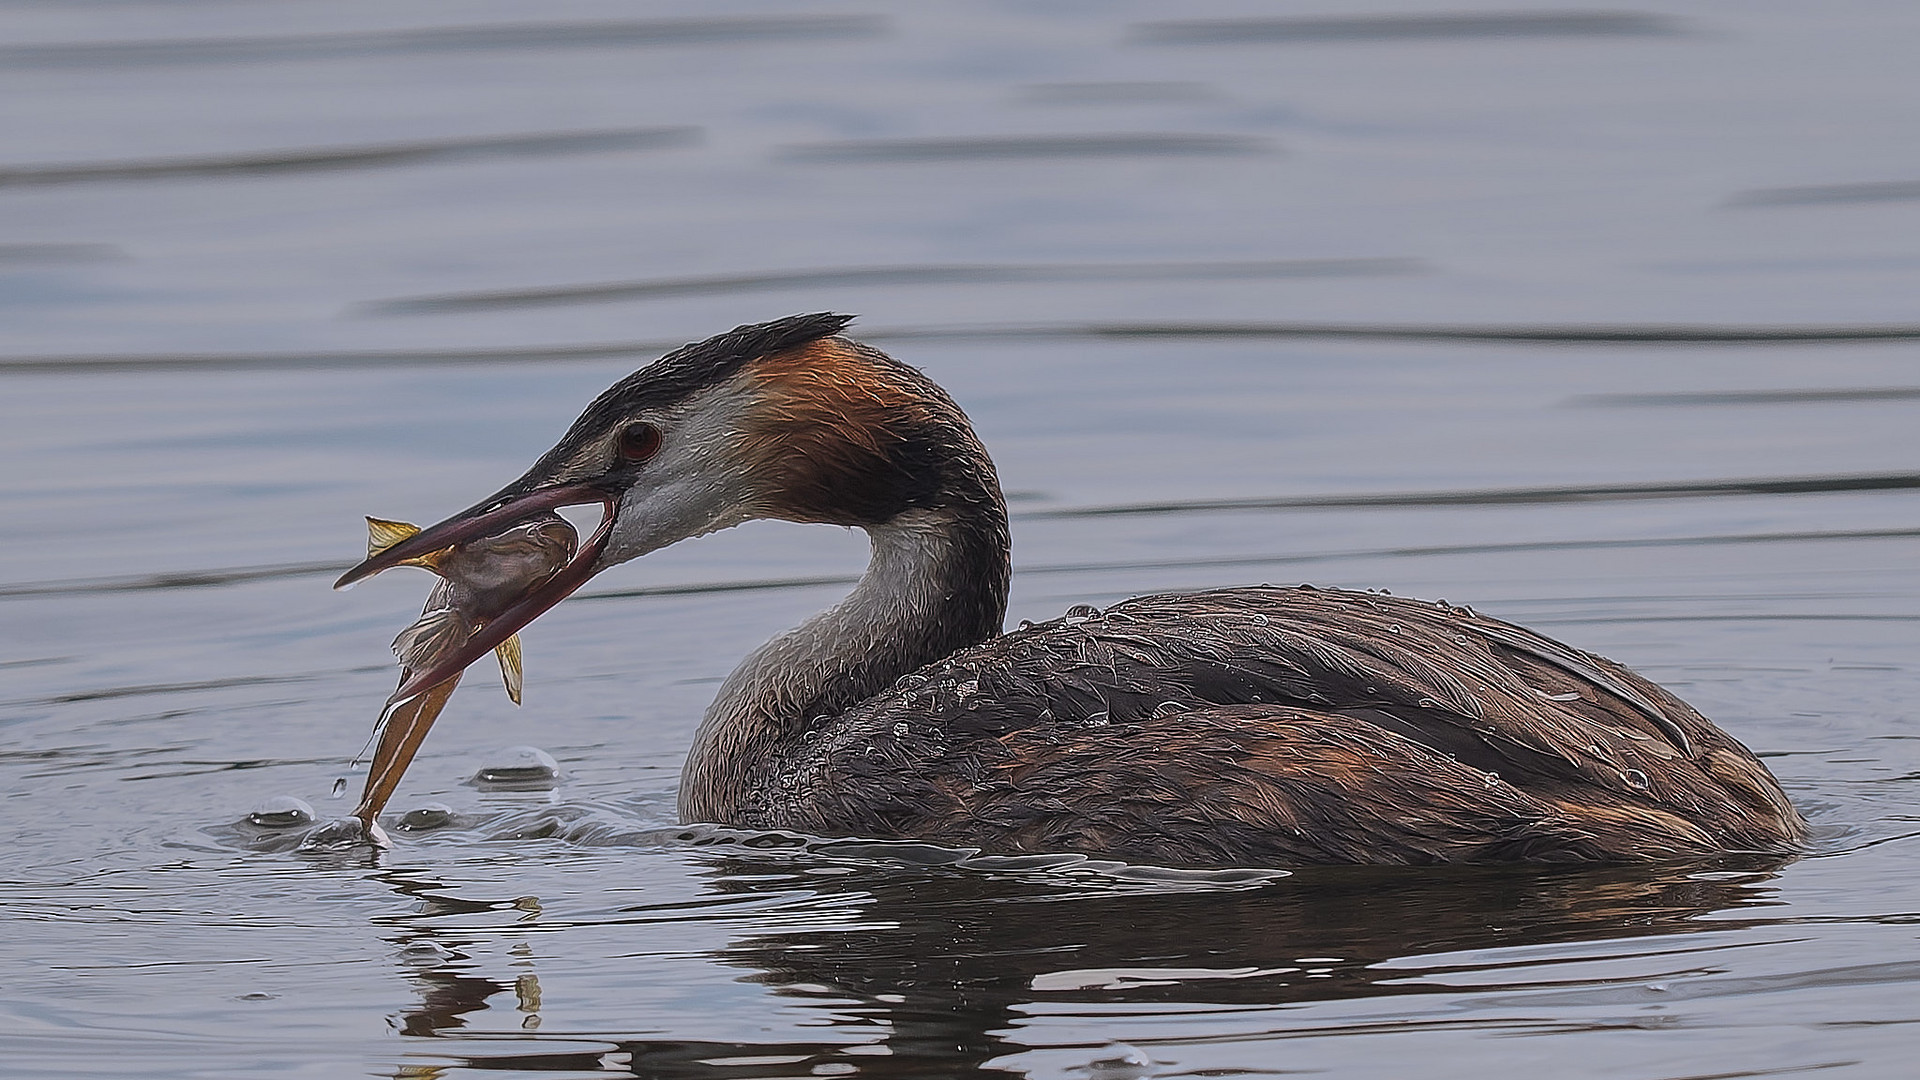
x=1265 y=726
x=1271 y=726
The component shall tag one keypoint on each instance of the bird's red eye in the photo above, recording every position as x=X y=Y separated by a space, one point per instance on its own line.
x=638 y=442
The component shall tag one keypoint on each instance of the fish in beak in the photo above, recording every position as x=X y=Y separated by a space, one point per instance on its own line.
x=497 y=574
x=503 y=590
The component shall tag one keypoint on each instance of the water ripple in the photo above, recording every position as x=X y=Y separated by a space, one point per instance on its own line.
x=974 y=274
x=1462 y=25
x=419 y=152
x=1753 y=397
x=1643 y=334
x=1622 y=334
x=196 y=579
x=1012 y=147
x=145 y=689
x=344 y=359
x=1881 y=191
x=1116 y=93
x=177 y=579
x=1794 y=485
x=447 y=39
x=59 y=253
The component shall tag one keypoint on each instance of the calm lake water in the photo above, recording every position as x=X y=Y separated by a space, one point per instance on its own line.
x=1602 y=321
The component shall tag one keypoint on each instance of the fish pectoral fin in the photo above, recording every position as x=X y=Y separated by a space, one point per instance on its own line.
x=382 y=534
x=509 y=653
x=439 y=631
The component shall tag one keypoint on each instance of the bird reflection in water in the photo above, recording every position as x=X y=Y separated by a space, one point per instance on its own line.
x=944 y=967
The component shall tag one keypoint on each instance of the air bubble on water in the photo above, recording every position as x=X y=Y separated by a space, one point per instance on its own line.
x=281 y=812
x=340 y=835
x=1118 y=1061
x=339 y=787
x=518 y=768
x=431 y=815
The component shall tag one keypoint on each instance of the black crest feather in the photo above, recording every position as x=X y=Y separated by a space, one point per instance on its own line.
x=689 y=369
x=701 y=364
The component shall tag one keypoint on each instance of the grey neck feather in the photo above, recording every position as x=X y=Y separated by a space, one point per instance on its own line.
x=918 y=601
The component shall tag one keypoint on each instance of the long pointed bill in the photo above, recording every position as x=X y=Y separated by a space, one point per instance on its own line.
x=528 y=608
x=482 y=519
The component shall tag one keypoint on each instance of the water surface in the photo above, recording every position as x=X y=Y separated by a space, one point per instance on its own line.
x=1599 y=320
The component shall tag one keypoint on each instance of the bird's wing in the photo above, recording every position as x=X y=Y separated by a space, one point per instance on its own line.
x=1512 y=707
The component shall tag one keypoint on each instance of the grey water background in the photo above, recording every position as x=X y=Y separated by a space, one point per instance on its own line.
x=1603 y=321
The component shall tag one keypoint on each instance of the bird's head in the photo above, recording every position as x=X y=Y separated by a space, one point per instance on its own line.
x=778 y=420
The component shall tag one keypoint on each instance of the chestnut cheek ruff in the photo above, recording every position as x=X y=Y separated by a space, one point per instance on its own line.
x=468 y=525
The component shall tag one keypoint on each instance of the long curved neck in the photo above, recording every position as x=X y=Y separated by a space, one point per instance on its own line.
x=937 y=583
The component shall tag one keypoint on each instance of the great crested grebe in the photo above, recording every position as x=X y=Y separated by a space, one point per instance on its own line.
x=1265 y=725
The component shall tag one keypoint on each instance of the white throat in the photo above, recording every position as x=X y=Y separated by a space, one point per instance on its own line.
x=846 y=653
